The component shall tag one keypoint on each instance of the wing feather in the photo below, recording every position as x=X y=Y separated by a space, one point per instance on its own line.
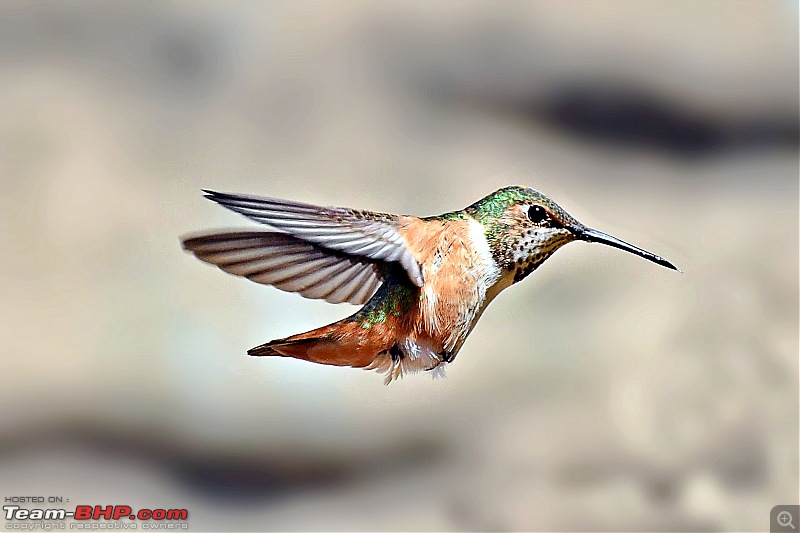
x=358 y=287
x=359 y=233
x=290 y=264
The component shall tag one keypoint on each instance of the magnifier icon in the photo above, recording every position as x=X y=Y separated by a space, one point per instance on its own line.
x=785 y=519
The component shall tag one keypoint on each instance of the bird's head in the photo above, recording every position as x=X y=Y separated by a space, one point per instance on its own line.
x=524 y=227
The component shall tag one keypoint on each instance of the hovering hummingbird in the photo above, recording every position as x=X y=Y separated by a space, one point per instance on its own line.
x=423 y=282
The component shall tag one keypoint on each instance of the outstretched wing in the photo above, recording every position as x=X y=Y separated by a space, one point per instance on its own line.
x=356 y=233
x=290 y=264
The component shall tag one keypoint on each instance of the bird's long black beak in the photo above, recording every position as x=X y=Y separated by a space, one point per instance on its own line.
x=592 y=235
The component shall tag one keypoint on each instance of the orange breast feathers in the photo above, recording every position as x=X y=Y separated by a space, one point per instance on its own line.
x=452 y=291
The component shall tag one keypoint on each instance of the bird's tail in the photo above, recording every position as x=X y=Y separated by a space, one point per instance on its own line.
x=343 y=343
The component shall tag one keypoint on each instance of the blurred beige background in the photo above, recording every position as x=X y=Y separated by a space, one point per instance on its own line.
x=603 y=393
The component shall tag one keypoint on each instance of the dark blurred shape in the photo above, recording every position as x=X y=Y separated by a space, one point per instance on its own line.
x=240 y=477
x=664 y=488
x=743 y=465
x=240 y=480
x=624 y=115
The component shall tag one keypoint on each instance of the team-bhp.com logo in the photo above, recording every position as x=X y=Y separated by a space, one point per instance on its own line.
x=161 y=518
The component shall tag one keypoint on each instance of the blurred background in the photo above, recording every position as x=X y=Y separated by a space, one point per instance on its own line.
x=603 y=393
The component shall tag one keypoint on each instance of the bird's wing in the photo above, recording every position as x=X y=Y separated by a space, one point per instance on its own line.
x=290 y=264
x=357 y=233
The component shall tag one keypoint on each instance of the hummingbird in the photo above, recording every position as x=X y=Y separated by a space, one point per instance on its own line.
x=423 y=282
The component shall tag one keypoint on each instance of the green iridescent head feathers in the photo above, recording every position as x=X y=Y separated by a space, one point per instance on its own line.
x=493 y=206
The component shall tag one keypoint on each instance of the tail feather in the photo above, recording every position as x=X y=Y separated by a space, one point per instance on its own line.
x=348 y=343
x=269 y=348
x=338 y=344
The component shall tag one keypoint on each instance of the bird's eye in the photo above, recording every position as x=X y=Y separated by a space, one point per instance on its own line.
x=536 y=214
